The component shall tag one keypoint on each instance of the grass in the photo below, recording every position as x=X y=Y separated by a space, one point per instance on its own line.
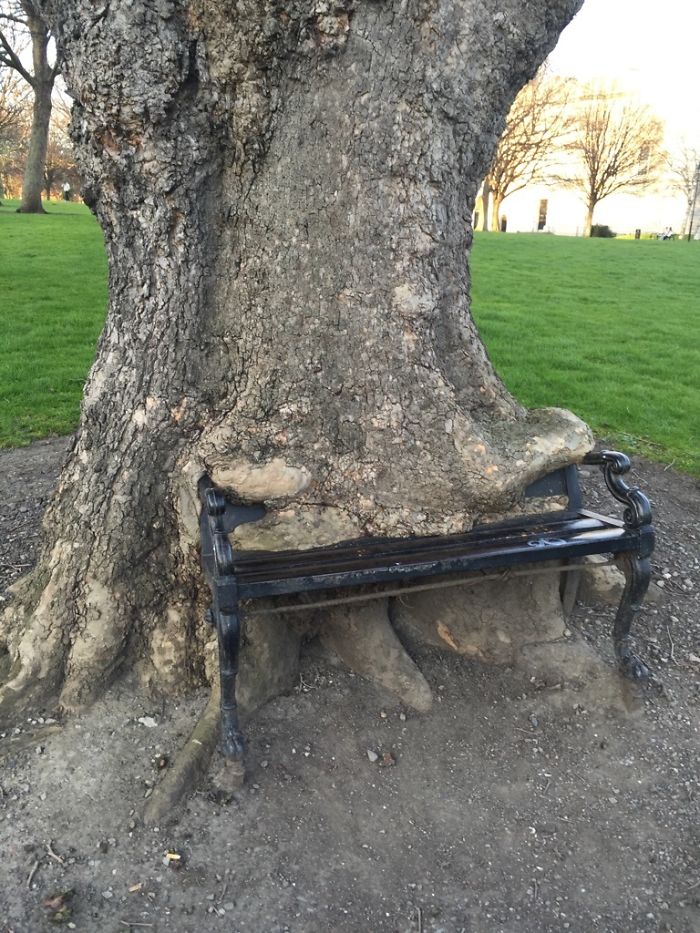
x=53 y=282
x=607 y=328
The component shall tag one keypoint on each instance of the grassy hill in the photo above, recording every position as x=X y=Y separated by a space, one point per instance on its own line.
x=53 y=283
x=607 y=328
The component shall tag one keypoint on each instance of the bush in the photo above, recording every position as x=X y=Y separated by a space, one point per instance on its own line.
x=602 y=230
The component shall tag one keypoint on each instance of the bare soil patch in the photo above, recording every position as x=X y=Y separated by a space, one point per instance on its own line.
x=514 y=805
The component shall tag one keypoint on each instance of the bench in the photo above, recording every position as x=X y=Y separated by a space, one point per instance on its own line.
x=565 y=537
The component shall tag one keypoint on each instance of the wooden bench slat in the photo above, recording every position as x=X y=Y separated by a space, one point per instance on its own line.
x=247 y=561
x=300 y=578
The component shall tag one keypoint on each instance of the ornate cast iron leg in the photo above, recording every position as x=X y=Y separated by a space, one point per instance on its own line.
x=229 y=630
x=637 y=572
x=219 y=569
x=635 y=563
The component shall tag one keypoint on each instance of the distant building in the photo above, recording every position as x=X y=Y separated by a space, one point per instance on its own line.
x=561 y=211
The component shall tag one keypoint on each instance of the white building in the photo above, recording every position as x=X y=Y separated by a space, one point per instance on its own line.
x=562 y=211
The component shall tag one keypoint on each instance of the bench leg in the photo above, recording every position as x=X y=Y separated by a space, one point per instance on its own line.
x=229 y=630
x=637 y=572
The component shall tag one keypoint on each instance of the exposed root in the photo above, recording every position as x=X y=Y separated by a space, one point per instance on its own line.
x=362 y=637
x=489 y=621
x=188 y=768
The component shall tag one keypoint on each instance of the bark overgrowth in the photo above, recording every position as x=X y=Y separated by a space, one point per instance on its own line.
x=285 y=190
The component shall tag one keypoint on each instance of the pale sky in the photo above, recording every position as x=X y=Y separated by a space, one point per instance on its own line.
x=650 y=47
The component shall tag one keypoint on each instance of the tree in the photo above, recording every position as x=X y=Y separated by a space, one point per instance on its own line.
x=60 y=159
x=20 y=21
x=616 y=145
x=13 y=121
x=12 y=104
x=534 y=128
x=285 y=195
x=685 y=168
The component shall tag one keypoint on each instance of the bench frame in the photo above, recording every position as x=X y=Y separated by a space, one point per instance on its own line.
x=567 y=535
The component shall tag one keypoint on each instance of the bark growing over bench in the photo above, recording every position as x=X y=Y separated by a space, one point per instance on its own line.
x=285 y=190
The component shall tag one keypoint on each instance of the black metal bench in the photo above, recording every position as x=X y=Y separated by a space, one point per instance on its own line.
x=564 y=536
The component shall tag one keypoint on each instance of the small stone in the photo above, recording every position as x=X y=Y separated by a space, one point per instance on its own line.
x=373 y=756
x=264 y=763
x=107 y=894
x=402 y=717
x=388 y=760
x=147 y=721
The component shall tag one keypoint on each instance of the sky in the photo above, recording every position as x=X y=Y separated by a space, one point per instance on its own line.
x=648 y=47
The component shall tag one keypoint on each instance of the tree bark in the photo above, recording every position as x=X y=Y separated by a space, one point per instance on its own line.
x=285 y=191
x=588 y=220
x=42 y=86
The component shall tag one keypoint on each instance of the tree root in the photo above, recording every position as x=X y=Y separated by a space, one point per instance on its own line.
x=188 y=768
x=363 y=638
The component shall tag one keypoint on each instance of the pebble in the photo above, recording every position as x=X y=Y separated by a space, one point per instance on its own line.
x=147 y=721
x=373 y=756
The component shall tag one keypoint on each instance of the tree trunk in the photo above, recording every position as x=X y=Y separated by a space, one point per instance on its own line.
x=285 y=191
x=496 y=201
x=588 y=220
x=42 y=86
x=486 y=205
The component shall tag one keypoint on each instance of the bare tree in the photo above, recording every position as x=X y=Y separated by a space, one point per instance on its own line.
x=13 y=100
x=60 y=164
x=22 y=24
x=615 y=146
x=684 y=168
x=13 y=123
x=525 y=152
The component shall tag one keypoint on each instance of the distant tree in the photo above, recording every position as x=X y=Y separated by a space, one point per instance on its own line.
x=684 y=168
x=22 y=25
x=14 y=105
x=617 y=146
x=534 y=128
x=60 y=164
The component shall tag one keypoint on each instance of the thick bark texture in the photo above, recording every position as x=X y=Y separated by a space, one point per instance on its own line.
x=285 y=190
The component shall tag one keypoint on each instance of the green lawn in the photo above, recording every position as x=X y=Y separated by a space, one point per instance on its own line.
x=607 y=328
x=53 y=283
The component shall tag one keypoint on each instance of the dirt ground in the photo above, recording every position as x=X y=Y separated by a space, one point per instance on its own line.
x=516 y=804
